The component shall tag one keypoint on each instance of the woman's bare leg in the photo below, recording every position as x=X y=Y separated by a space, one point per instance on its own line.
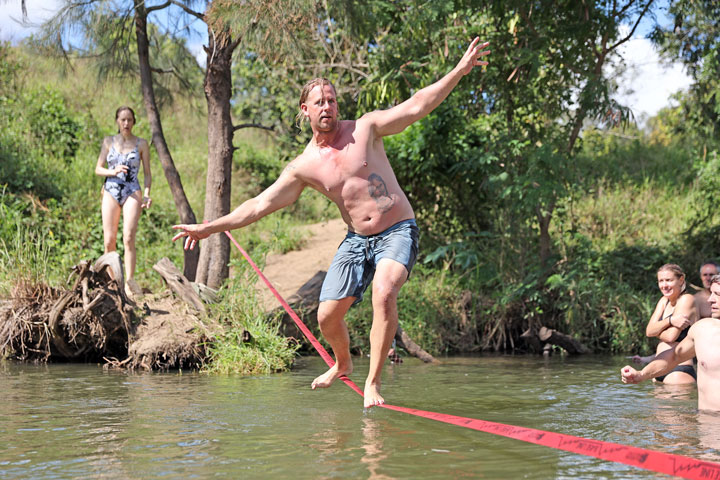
x=131 y=215
x=110 y=218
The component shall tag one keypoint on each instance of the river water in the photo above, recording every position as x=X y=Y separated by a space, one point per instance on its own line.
x=79 y=421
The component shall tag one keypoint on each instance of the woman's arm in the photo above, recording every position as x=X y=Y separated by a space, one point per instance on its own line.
x=102 y=159
x=683 y=317
x=147 y=176
x=657 y=323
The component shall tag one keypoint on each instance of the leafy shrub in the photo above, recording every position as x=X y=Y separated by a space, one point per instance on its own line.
x=52 y=124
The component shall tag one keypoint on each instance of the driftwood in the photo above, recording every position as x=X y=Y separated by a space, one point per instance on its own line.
x=543 y=338
x=179 y=284
x=306 y=301
x=94 y=321
x=404 y=341
x=86 y=322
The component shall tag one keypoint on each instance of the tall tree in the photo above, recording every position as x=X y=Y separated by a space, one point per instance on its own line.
x=158 y=137
x=254 y=24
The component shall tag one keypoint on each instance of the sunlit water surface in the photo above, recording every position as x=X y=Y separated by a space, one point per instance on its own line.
x=78 y=421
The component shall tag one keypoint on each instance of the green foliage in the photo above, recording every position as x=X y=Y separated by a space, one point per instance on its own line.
x=694 y=38
x=249 y=343
x=25 y=252
x=52 y=125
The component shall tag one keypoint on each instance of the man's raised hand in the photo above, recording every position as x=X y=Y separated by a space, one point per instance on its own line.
x=473 y=56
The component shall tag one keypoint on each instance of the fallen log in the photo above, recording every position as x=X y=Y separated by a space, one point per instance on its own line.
x=541 y=340
x=404 y=341
x=179 y=284
x=305 y=303
x=567 y=342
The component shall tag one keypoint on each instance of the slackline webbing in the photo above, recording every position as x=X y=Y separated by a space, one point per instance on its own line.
x=668 y=463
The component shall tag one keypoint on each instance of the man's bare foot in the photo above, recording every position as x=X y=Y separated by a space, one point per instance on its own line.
x=372 y=395
x=327 y=378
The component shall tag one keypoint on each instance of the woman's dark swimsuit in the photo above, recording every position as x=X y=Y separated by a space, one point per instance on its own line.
x=123 y=185
x=689 y=369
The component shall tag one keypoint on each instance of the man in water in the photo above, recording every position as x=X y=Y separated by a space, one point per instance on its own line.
x=707 y=271
x=346 y=161
x=703 y=342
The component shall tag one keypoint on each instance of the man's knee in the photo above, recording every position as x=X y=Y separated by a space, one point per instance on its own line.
x=333 y=311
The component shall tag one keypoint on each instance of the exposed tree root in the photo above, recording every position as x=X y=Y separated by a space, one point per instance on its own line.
x=94 y=321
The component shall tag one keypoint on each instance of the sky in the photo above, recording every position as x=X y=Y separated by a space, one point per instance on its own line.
x=649 y=83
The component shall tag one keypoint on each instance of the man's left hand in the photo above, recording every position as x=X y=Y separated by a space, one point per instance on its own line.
x=473 y=55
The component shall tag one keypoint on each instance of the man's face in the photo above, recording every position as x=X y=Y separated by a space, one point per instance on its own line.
x=706 y=273
x=320 y=108
x=715 y=300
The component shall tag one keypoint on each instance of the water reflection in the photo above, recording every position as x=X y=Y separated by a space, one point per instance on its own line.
x=75 y=421
x=373 y=444
x=708 y=432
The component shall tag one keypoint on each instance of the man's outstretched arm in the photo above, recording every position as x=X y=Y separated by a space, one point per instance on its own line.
x=399 y=117
x=286 y=189
x=664 y=362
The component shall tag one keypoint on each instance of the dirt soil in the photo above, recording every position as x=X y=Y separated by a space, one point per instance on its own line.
x=170 y=335
x=288 y=272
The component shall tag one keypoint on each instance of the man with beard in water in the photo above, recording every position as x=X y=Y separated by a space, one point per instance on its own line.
x=345 y=160
x=703 y=342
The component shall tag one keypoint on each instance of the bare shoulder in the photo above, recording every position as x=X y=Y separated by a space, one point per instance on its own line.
x=107 y=141
x=299 y=167
x=686 y=299
x=702 y=326
x=142 y=143
x=370 y=118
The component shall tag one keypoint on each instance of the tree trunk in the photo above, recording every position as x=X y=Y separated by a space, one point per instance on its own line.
x=215 y=255
x=545 y=238
x=158 y=137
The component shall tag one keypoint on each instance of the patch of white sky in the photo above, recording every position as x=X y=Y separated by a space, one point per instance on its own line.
x=14 y=27
x=647 y=83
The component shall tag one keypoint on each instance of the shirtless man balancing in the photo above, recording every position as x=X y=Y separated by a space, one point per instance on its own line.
x=346 y=161
x=703 y=342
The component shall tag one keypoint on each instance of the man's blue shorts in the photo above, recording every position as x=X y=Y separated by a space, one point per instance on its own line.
x=357 y=257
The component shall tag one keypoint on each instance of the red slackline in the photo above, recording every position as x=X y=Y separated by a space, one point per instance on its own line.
x=668 y=463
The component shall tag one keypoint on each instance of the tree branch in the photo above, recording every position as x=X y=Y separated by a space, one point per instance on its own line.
x=252 y=125
x=161 y=70
x=349 y=68
x=187 y=10
x=637 y=22
x=157 y=7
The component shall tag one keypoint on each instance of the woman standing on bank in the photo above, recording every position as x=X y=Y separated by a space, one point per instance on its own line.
x=119 y=162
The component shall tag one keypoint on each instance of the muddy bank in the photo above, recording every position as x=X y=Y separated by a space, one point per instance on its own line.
x=94 y=321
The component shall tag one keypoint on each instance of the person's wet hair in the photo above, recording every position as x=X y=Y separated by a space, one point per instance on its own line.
x=300 y=118
x=715 y=278
x=675 y=269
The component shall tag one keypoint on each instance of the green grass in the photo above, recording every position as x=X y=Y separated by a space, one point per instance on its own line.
x=250 y=343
